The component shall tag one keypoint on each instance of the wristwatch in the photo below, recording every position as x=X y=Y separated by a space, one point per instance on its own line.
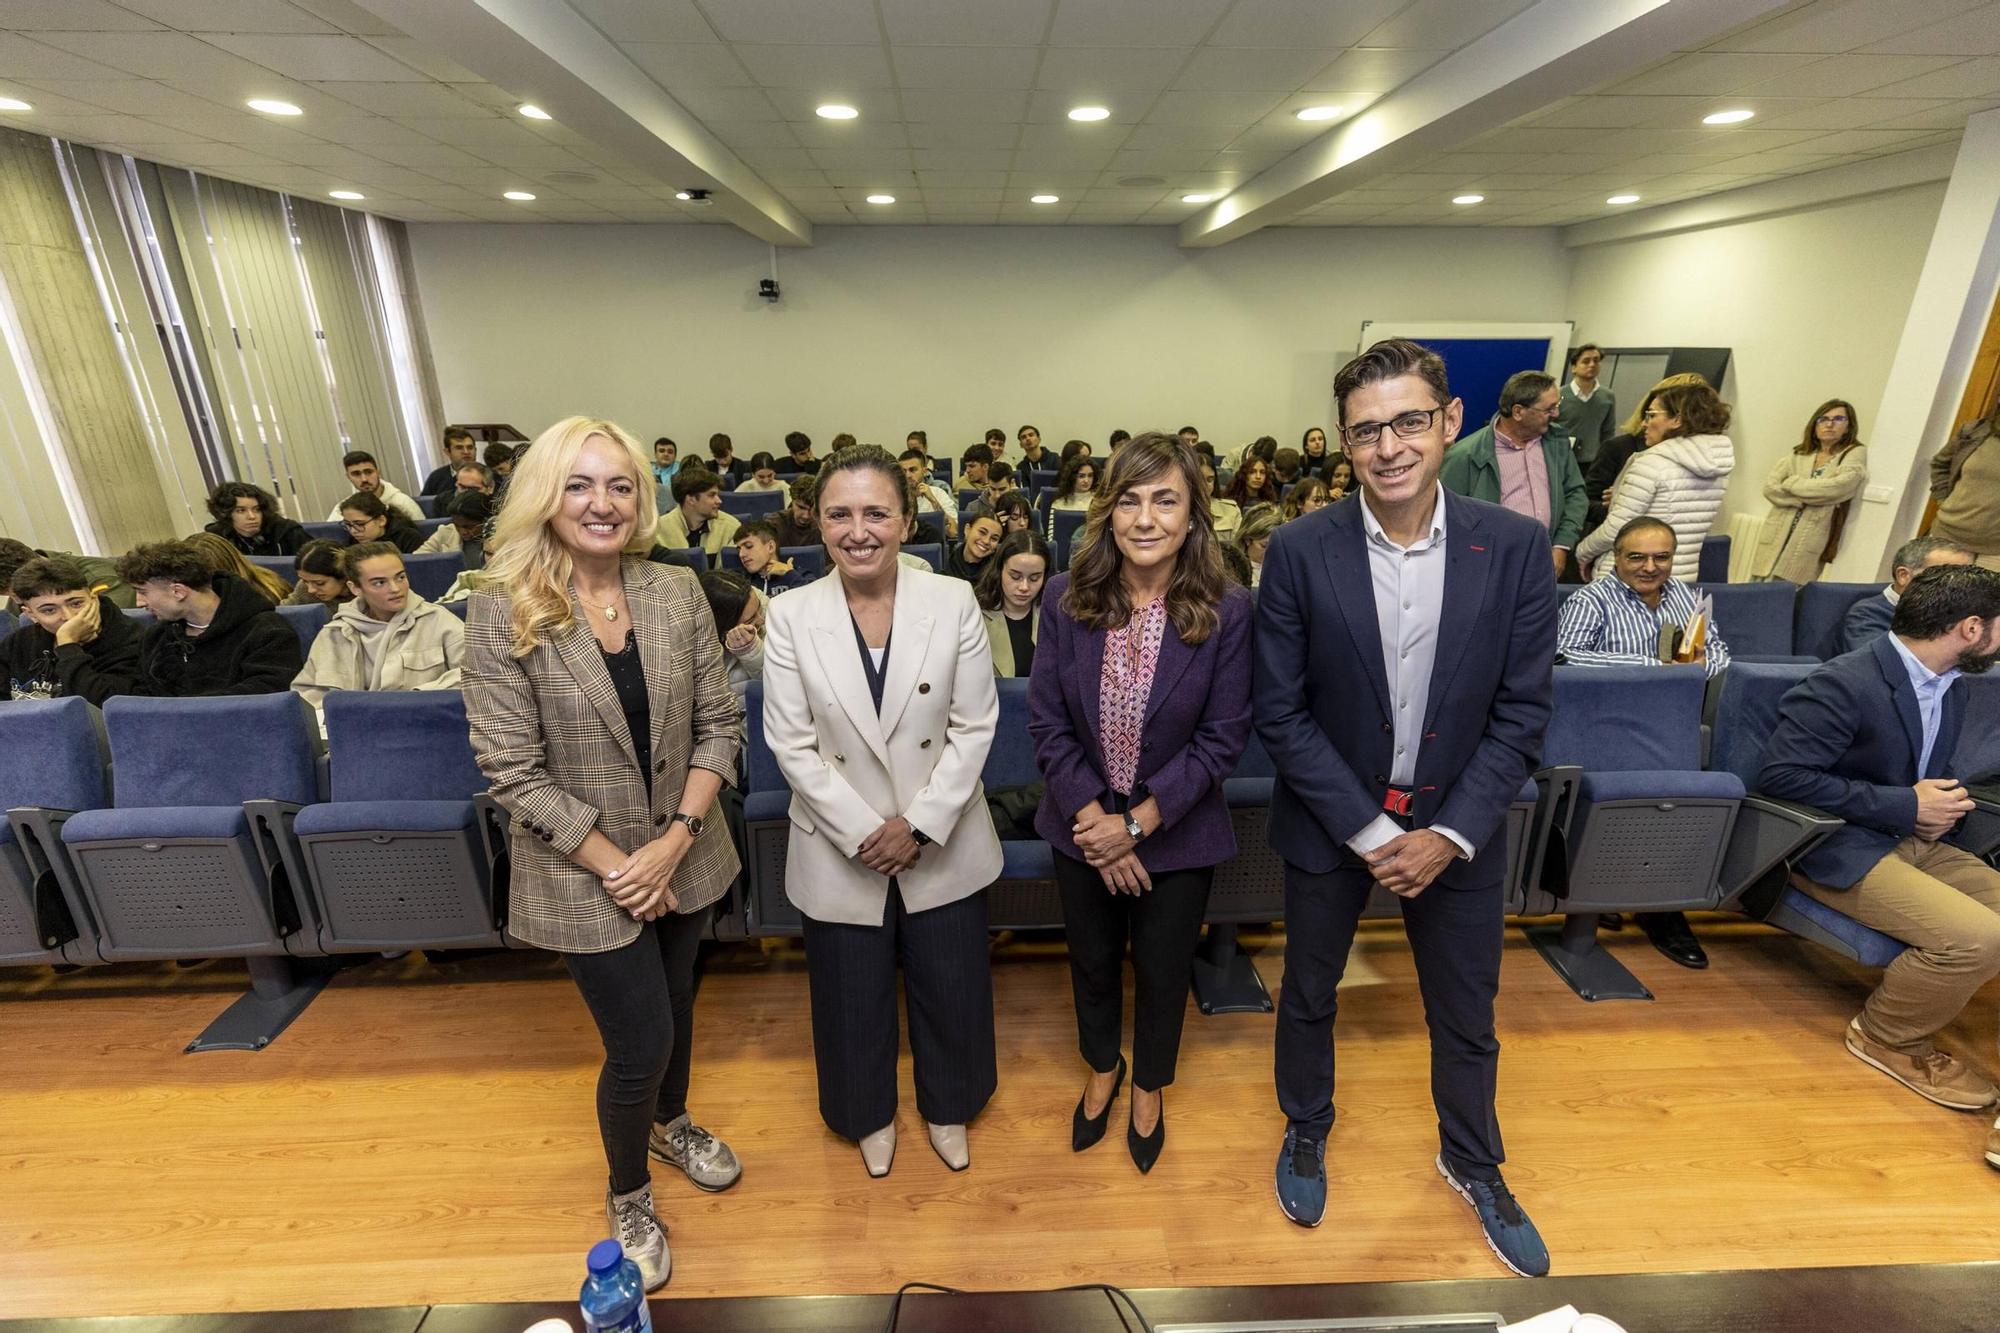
x=695 y=823
x=1132 y=827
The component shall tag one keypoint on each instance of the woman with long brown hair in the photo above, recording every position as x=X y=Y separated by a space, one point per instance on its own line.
x=1811 y=490
x=223 y=558
x=1139 y=707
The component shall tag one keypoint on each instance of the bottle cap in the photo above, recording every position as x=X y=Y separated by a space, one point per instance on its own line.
x=605 y=1256
x=550 y=1326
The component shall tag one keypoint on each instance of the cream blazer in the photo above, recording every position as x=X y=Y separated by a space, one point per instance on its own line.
x=850 y=771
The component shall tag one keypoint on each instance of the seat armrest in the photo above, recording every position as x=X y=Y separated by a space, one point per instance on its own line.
x=295 y=906
x=1769 y=837
x=62 y=913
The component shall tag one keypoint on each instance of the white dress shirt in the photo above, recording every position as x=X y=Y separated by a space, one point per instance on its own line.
x=1931 y=688
x=1409 y=604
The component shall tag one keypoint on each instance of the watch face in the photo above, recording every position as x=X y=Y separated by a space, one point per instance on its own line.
x=693 y=822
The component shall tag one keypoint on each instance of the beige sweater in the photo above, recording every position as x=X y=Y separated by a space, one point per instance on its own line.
x=423 y=648
x=1802 y=509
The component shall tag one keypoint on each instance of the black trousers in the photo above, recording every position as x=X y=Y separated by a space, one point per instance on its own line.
x=642 y=998
x=948 y=987
x=1455 y=935
x=1164 y=927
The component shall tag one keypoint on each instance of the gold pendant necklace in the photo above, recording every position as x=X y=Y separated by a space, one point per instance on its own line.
x=610 y=612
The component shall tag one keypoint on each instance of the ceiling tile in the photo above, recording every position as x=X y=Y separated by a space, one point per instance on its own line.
x=492 y=134
x=829 y=69
x=1832 y=26
x=966 y=22
x=797 y=104
x=961 y=135
x=980 y=108
x=1614 y=112
x=1976 y=33
x=1289 y=24
x=373 y=132
x=1209 y=137
x=1182 y=23
x=1372 y=71
x=25 y=58
x=109 y=127
x=1711 y=73
x=404 y=99
x=426 y=61
x=314 y=58
x=1443 y=25
x=728 y=103
x=1236 y=109
x=1848 y=75
x=1232 y=69
x=1047 y=108
x=835 y=160
x=786 y=178
x=73 y=16
x=818 y=133
x=741 y=134
x=964 y=67
x=961 y=180
x=677 y=65
x=1094 y=70
x=647 y=20
x=228 y=15
x=1951 y=116
x=1971 y=78
x=1166 y=160
x=961 y=159
x=1848 y=113
x=138 y=97
x=789 y=21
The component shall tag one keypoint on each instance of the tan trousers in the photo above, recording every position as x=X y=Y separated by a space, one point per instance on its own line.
x=1945 y=904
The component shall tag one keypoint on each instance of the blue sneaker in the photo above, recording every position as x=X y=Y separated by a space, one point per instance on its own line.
x=1302 y=1179
x=1508 y=1231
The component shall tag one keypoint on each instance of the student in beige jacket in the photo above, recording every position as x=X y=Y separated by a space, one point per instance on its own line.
x=386 y=637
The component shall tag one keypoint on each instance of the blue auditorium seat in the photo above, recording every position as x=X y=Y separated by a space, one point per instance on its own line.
x=429 y=525
x=1068 y=522
x=1714 y=563
x=331 y=532
x=432 y=505
x=808 y=562
x=53 y=763
x=458 y=608
x=1025 y=895
x=6 y=622
x=1646 y=827
x=431 y=576
x=140 y=614
x=1822 y=608
x=400 y=857
x=754 y=504
x=767 y=803
x=930 y=552
x=306 y=622
x=943 y=470
x=1755 y=618
x=1042 y=479
x=284 y=566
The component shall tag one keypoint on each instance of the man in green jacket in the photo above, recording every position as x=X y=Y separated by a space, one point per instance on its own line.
x=1520 y=460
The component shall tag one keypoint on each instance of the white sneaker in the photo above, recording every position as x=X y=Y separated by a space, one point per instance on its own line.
x=641 y=1234
x=708 y=1161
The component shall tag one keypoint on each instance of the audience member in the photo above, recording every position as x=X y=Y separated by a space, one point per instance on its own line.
x=1308 y=496
x=841 y=441
x=1014 y=512
x=798 y=522
x=799 y=447
x=920 y=441
x=1520 y=461
x=1868 y=619
x=666 y=462
x=1139 y=710
x=222 y=558
x=1339 y=478
x=367 y=479
x=1588 y=410
x=459 y=449
x=1226 y=513
x=499 y=459
x=1812 y=490
x=1870 y=737
x=763 y=478
x=1602 y=474
x=1117 y=440
x=1190 y=434
x=724 y=463
x=213 y=634
x=1253 y=535
x=1251 y=484
x=1075 y=485
x=367 y=519
x=1264 y=447
x=920 y=532
x=738 y=611
x=76 y=642
x=247 y=516
x=103 y=573
x=474 y=477
x=1032 y=452
x=697 y=518
x=1965 y=482
x=464 y=529
x=1680 y=477
x=757 y=551
x=1313 y=453
x=320 y=582
x=972 y=465
x=967 y=560
x=1285 y=469
x=996 y=440
x=930 y=498
x=1234 y=563
x=1010 y=595
x=385 y=637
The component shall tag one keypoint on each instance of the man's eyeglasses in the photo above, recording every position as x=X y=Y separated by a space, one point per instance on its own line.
x=1642 y=558
x=1407 y=425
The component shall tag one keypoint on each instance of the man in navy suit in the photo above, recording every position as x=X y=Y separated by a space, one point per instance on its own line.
x=1869 y=737
x=1868 y=619
x=1405 y=650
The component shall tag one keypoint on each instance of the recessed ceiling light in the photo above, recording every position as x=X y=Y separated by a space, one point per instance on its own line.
x=881 y=198
x=14 y=104
x=1090 y=113
x=1196 y=198
x=1623 y=199
x=835 y=111
x=1319 y=113
x=519 y=196
x=345 y=194
x=272 y=107
x=533 y=112
x=1468 y=199
x=1735 y=117
x=1044 y=198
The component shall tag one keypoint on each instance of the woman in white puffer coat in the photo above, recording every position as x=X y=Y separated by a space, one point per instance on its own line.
x=1678 y=478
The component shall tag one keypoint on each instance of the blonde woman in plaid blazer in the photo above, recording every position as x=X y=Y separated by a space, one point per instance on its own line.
x=601 y=712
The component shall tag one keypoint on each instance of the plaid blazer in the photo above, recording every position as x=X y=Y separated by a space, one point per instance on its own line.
x=551 y=737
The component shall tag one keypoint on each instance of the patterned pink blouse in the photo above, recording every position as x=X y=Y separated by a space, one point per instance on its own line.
x=1131 y=652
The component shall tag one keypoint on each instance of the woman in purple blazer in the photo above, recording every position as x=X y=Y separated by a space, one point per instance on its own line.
x=1139 y=705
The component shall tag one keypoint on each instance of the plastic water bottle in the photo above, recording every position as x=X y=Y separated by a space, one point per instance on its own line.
x=614 y=1297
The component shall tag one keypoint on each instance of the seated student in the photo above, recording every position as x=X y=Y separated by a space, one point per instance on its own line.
x=222 y=558
x=76 y=643
x=386 y=637
x=1869 y=736
x=319 y=582
x=967 y=559
x=1253 y=536
x=757 y=549
x=1287 y=466
x=1251 y=484
x=367 y=519
x=800 y=446
x=499 y=460
x=1032 y=453
x=1075 y=485
x=474 y=477
x=103 y=573
x=1118 y=438
x=1308 y=495
x=367 y=479
x=797 y=524
x=763 y=479
x=1192 y=434
x=1228 y=515
x=459 y=449
x=724 y=463
x=920 y=441
x=697 y=518
x=1014 y=512
x=1339 y=477
x=1010 y=594
x=1868 y=619
x=666 y=462
x=214 y=634
x=464 y=530
x=1617 y=622
x=930 y=497
x=738 y=612
x=1075 y=447
x=247 y=516
x=972 y=465
x=840 y=442
x=996 y=442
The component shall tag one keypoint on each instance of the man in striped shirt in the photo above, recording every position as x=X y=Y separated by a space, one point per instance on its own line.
x=1617 y=622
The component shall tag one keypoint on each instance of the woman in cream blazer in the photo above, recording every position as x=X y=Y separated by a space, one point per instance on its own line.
x=879 y=707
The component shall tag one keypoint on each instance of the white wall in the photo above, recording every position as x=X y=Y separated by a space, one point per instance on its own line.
x=1813 y=304
x=949 y=329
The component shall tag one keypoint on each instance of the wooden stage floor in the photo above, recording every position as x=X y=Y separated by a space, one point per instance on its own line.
x=425 y=1135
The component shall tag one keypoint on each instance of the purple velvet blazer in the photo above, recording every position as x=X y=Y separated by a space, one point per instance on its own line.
x=1197 y=723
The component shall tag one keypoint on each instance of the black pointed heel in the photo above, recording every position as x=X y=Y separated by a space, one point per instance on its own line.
x=1145 y=1149
x=1085 y=1131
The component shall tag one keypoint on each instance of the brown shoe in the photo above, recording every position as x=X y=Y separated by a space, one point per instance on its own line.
x=1928 y=1072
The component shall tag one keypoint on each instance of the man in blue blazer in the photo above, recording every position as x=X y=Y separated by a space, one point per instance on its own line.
x=1869 y=737
x=1404 y=656
x=1868 y=619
